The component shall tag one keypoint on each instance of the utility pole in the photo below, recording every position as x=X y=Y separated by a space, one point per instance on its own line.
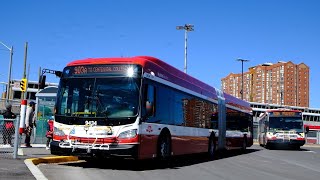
x=9 y=71
x=242 y=60
x=24 y=68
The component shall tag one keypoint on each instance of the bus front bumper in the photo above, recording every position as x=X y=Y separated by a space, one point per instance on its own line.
x=85 y=150
x=289 y=142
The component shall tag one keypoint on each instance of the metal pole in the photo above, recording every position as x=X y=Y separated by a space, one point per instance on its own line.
x=186 y=28
x=185 y=50
x=39 y=74
x=9 y=71
x=242 y=80
x=242 y=60
x=16 y=138
x=24 y=66
x=26 y=92
x=9 y=75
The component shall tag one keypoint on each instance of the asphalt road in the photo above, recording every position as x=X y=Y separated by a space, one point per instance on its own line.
x=256 y=164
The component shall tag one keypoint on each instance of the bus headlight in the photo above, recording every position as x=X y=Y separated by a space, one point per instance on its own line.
x=58 y=132
x=128 y=134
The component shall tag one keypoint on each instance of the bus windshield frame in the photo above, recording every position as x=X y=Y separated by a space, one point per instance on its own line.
x=104 y=96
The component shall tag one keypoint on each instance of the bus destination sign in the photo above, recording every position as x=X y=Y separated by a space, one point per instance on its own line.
x=78 y=70
x=100 y=69
x=285 y=113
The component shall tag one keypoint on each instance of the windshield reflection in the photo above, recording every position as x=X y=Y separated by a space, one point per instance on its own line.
x=286 y=123
x=98 y=97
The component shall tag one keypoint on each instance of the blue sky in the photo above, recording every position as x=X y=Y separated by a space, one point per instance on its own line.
x=60 y=31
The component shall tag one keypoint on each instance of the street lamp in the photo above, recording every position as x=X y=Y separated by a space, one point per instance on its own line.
x=9 y=73
x=242 y=60
x=186 y=28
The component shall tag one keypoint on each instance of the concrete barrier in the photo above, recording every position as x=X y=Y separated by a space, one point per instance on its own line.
x=33 y=162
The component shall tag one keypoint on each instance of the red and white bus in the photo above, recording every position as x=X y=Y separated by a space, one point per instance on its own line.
x=281 y=127
x=141 y=107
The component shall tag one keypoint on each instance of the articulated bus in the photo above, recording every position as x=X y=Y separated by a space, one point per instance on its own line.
x=281 y=127
x=141 y=107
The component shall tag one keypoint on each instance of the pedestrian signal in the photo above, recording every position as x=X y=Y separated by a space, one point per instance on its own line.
x=23 y=85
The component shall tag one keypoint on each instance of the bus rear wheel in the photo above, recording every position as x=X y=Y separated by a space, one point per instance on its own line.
x=244 y=145
x=212 y=148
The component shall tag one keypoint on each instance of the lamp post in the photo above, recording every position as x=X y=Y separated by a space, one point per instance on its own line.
x=9 y=72
x=242 y=60
x=186 y=28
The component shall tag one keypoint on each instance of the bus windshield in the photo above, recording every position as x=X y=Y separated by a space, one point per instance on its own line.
x=116 y=97
x=286 y=123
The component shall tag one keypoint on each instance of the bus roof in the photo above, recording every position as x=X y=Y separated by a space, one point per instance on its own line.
x=169 y=73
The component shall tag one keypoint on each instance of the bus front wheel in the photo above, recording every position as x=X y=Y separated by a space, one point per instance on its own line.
x=164 y=147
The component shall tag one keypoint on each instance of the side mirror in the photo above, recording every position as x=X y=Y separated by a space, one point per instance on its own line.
x=149 y=108
x=42 y=82
x=307 y=130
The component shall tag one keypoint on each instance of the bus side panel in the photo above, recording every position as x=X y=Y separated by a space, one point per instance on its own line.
x=234 y=142
x=180 y=145
x=182 y=141
x=148 y=146
x=189 y=144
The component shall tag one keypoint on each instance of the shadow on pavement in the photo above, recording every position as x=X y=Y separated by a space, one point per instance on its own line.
x=142 y=165
x=286 y=148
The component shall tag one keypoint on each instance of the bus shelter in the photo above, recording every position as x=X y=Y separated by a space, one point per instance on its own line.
x=45 y=100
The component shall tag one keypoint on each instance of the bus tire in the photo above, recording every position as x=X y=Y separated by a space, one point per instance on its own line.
x=164 y=146
x=212 y=147
x=261 y=145
x=268 y=146
x=296 y=147
x=56 y=151
x=244 y=145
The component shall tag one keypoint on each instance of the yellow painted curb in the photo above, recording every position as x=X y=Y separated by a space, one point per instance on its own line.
x=53 y=159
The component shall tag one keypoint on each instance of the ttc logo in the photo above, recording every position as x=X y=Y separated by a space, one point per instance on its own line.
x=149 y=129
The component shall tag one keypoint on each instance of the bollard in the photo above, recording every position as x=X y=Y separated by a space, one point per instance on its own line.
x=22 y=115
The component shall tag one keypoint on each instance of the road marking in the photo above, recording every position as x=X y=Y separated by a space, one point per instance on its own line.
x=311 y=152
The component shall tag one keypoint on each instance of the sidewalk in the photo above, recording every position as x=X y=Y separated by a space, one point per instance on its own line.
x=12 y=169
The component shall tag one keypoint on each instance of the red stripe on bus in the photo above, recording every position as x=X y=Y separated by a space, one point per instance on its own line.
x=98 y=140
x=312 y=127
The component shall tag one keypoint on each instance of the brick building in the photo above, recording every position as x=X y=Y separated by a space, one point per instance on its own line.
x=283 y=83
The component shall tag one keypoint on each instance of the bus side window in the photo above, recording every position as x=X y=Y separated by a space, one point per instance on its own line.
x=150 y=100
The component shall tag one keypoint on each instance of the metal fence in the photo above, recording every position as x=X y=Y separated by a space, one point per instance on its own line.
x=11 y=140
x=8 y=141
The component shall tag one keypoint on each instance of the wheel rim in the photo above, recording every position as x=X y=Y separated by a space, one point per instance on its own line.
x=164 y=148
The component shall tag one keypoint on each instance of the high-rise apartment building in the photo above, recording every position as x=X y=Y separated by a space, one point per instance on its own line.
x=283 y=83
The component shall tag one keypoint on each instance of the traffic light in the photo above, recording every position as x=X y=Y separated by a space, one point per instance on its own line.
x=42 y=82
x=23 y=84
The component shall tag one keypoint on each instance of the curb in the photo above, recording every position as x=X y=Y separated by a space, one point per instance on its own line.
x=33 y=162
x=311 y=145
